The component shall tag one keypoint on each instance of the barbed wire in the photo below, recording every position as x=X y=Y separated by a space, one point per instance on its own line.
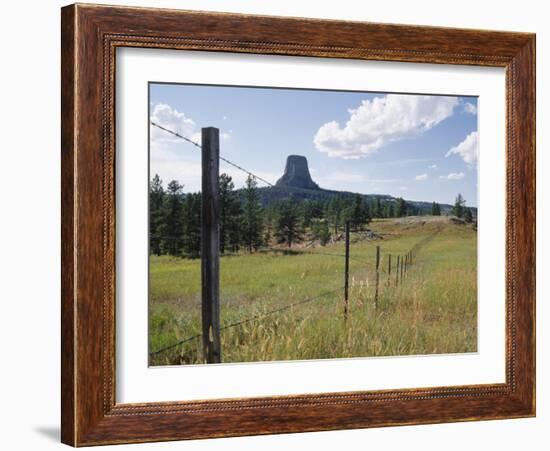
x=287 y=251
x=419 y=244
x=303 y=252
x=250 y=319
x=174 y=345
x=190 y=141
x=270 y=249
x=196 y=144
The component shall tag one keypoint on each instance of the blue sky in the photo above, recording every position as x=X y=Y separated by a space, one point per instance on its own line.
x=412 y=146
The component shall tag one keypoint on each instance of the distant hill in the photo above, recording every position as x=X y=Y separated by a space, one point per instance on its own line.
x=296 y=183
x=269 y=195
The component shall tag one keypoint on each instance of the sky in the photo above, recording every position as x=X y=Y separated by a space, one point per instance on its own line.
x=419 y=147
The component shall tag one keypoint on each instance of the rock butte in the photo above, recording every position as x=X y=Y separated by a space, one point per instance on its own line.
x=297 y=174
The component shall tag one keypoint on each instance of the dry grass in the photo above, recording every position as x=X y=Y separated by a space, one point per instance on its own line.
x=434 y=309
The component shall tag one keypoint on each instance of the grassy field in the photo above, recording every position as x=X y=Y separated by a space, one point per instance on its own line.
x=433 y=310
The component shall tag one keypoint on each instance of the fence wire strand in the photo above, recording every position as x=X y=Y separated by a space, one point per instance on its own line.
x=259 y=316
x=196 y=144
x=250 y=319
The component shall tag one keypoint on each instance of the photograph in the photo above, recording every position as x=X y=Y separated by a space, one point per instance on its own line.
x=347 y=223
x=276 y=226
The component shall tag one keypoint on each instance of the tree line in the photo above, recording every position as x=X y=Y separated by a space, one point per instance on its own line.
x=246 y=225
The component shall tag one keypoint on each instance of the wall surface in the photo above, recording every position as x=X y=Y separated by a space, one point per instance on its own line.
x=29 y=322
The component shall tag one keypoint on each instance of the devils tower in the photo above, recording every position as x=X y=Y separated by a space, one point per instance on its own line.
x=297 y=174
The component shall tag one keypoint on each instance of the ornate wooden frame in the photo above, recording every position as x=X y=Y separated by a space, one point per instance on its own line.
x=90 y=35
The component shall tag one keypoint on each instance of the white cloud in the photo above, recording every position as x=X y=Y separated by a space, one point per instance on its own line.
x=470 y=108
x=379 y=121
x=185 y=167
x=433 y=166
x=467 y=149
x=172 y=161
x=170 y=118
x=176 y=121
x=421 y=177
x=453 y=176
x=197 y=137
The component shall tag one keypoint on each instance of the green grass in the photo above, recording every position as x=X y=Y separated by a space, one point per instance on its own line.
x=434 y=309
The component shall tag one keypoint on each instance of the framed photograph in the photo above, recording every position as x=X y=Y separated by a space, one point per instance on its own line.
x=279 y=225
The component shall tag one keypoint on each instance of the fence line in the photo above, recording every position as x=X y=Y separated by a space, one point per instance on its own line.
x=399 y=266
x=283 y=250
x=196 y=144
x=404 y=262
x=250 y=319
x=302 y=252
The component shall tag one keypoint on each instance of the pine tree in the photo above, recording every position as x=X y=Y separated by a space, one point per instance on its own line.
x=378 y=210
x=321 y=230
x=401 y=208
x=357 y=213
x=459 y=206
x=436 y=209
x=268 y=226
x=253 y=215
x=468 y=215
x=230 y=211
x=324 y=232
x=313 y=209
x=191 y=214
x=288 y=227
x=307 y=212
x=390 y=210
x=411 y=210
x=335 y=209
x=156 y=214
x=235 y=232
x=172 y=227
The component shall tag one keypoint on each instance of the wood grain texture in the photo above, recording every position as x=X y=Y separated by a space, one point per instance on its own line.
x=68 y=239
x=90 y=36
x=210 y=245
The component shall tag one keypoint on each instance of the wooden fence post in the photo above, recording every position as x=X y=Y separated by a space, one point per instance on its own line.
x=402 y=258
x=346 y=273
x=389 y=269
x=210 y=245
x=397 y=271
x=377 y=276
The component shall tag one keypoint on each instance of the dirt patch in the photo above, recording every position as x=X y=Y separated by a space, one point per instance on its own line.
x=423 y=220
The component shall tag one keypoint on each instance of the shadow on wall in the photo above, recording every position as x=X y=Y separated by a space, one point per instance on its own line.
x=50 y=432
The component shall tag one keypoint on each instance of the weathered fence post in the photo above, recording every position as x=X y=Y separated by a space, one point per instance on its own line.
x=346 y=273
x=377 y=276
x=397 y=272
x=402 y=258
x=389 y=270
x=210 y=245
